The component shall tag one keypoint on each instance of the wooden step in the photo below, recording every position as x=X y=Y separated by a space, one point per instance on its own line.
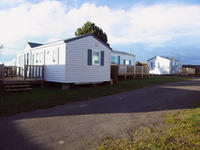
x=17 y=86
x=18 y=90
x=15 y=82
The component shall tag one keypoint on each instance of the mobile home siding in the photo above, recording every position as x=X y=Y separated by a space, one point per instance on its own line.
x=121 y=57
x=55 y=71
x=163 y=66
x=43 y=55
x=77 y=67
x=67 y=61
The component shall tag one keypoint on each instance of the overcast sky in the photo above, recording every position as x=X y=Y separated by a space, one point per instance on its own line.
x=147 y=27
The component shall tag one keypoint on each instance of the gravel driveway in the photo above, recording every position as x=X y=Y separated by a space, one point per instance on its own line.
x=74 y=126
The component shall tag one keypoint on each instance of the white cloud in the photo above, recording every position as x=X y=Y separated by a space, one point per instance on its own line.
x=52 y=40
x=11 y=2
x=154 y=25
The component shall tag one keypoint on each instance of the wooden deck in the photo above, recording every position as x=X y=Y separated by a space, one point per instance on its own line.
x=133 y=71
x=22 y=79
x=15 y=79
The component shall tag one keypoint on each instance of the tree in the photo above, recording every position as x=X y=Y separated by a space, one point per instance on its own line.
x=141 y=63
x=90 y=27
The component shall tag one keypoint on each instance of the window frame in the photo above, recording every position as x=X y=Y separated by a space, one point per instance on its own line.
x=114 y=59
x=93 y=62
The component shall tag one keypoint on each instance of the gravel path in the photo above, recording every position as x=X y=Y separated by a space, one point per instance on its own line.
x=73 y=126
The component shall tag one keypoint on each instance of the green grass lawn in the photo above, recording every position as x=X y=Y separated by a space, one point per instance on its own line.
x=12 y=103
x=181 y=132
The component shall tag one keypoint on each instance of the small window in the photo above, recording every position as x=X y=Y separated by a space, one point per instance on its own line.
x=152 y=64
x=33 y=59
x=124 y=61
x=96 y=58
x=36 y=58
x=114 y=60
x=55 y=56
x=54 y=59
x=158 y=65
x=41 y=55
x=27 y=60
x=127 y=62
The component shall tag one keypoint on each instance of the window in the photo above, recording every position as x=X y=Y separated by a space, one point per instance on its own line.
x=152 y=64
x=33 y=59
x=127 y=62
x=27 y=60
x=36 y=58
x=130 y=62
x=158 y=64
x=55 y=56
x=114 y=60
x=124 y=61
x=41 y=55
x=96 y=58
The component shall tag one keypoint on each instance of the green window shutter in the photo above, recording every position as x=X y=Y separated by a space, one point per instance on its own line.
x=102 y=58
x=89 y=57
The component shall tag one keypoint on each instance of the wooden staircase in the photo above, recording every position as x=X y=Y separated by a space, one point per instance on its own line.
x=17 y=86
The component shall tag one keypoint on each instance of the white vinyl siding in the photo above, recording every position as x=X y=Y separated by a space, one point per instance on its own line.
x=77 y=67
x=124 y=58
x=68 y=62
x=43 y=55
x=163 y=66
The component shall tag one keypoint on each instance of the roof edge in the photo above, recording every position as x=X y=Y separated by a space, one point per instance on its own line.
x=115 y=51
x=85 y=35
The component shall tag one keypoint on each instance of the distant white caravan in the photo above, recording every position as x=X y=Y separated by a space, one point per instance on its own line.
x=164 y=65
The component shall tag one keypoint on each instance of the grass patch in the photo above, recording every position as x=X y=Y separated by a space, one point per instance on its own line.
x=181 y=132
x=12 y=103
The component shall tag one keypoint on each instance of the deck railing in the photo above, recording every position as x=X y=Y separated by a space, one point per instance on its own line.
x=34 y=71
x=133 y=71
x=12 y=71
x=29 y=71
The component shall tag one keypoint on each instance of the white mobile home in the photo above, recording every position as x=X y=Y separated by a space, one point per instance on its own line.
x=122 y=58
x=82 y=59
x=164 y=65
